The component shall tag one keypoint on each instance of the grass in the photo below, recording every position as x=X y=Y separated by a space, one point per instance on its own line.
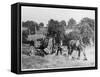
x=53 y=61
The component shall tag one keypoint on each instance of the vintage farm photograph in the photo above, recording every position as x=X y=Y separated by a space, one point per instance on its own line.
x=54 y=38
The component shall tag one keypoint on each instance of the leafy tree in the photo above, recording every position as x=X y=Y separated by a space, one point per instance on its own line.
x=74 y=35
x=24 y=35
x=56 y=30
x=63 y=23
x=86 y=33
x=41 y=24
x=85 y=30
x=71 y=23
x=31 y=25
x=89 y=21
x=52 y=25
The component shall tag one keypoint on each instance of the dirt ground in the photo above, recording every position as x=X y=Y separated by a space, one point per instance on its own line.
x=60 y=61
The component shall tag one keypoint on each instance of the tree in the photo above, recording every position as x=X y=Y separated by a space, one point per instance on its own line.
x=56 y=30
x=24 y=35
x=74 y=35
x=89 y=21
x=71 y=23
x=52 y=26
x=63 y=23
x=41 y=24
x=31 y=25
x=86 y=33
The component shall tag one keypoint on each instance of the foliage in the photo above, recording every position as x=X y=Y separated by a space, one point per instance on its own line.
x=86 y=32
x=89 y=21
x=41 y=24
x=86 y=40
x=63 y=23
x=74 y=35
x=24 y=35
x=31 y=25
x=71 y=23
x=56 y=30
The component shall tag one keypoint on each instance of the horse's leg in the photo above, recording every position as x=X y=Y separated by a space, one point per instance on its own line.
x=57 y=52
x=70 y=53
x=69 y=50
x=79 y=53
x=60 y=51
x=85 y=58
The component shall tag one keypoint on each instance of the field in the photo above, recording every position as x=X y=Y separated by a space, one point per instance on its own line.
x=61 y=61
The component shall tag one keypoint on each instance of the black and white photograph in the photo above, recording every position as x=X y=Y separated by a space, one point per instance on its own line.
x=56 y=38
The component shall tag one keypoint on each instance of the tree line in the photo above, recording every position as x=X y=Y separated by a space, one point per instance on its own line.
x=83 y=30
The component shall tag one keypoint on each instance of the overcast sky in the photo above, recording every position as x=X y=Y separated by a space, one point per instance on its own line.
x=41 y=14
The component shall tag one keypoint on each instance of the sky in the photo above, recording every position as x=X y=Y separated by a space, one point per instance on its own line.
x=42 y=14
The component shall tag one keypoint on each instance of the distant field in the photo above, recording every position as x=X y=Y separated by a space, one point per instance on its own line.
x=60 y=61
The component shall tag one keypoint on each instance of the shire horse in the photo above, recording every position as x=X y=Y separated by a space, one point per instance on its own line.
x=78 y=46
